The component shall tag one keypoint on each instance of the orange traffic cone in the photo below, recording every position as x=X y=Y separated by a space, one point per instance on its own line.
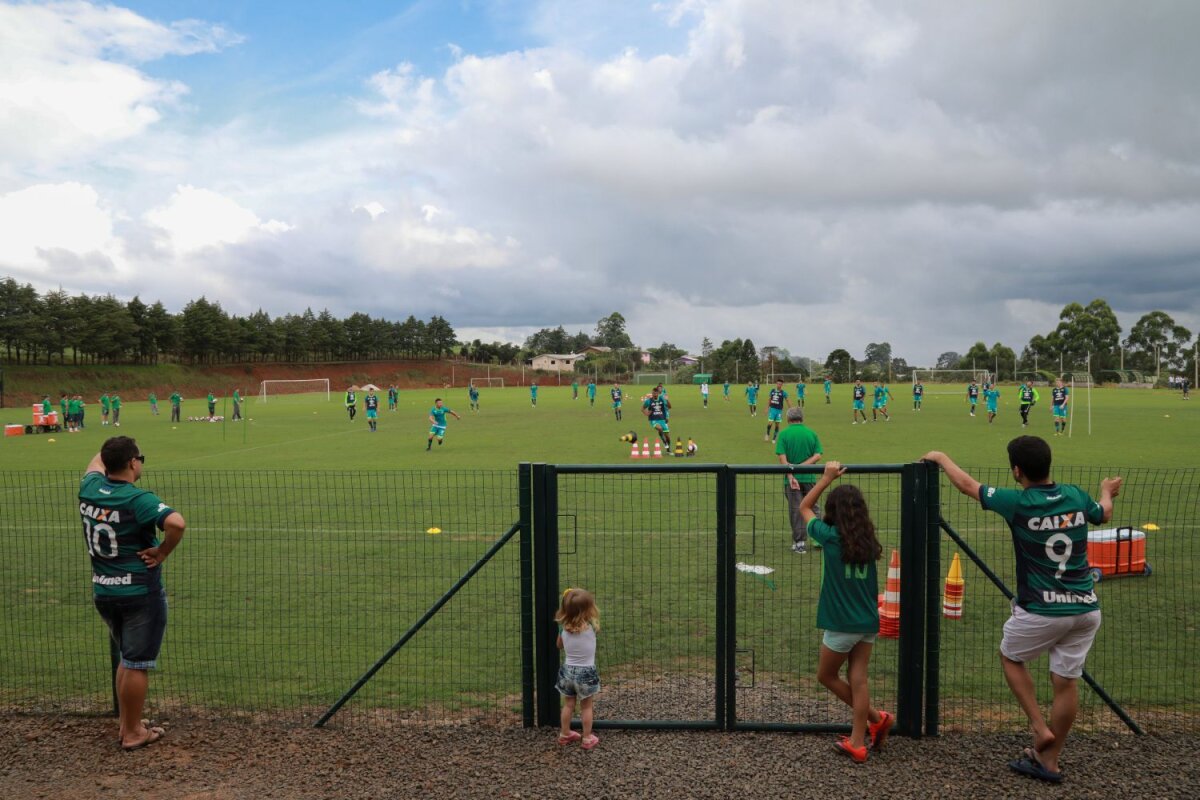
x=645 y=448
x=634 y=452
x=889 y=614
x=657 y=449
x=952 y=598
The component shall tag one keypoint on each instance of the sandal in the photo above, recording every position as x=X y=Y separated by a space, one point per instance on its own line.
x=573 y=736
x=152 y=736
x=590 y=742
x=1034 y=769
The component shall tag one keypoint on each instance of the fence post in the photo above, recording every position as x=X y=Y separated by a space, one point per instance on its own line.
x=930 y=499
x=726 y=623
x=912 y=603
x=525 y=504
x=545 y=537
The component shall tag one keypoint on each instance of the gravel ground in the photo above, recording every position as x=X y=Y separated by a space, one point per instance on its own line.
x=210 y=759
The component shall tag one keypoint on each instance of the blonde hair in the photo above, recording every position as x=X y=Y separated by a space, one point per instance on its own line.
x=578 y=610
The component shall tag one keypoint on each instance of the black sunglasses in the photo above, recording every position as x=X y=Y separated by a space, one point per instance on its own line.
x=140 y=457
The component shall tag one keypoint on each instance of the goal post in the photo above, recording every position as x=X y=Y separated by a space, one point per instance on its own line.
x=294 y=386
x=651 y=378
x=1080 y=381
x=499 y=382
x=786 y=377
x=951 y=381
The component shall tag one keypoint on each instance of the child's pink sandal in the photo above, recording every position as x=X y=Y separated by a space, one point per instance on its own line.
x=573 y=736
x=590 y=742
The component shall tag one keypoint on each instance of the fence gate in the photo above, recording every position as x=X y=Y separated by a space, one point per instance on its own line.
x=708 y=619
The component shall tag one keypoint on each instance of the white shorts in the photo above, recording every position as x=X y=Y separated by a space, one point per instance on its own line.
x=1067 y=639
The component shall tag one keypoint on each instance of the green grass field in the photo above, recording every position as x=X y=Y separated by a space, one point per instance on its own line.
x=307 y=553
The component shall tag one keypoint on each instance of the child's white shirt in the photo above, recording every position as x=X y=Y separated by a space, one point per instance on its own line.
x=580 y=648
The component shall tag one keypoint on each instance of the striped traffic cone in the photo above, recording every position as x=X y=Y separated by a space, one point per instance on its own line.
x=657 y=449
x=952 y=598
x=645 y=448
x=634 y=452
x=889 y=615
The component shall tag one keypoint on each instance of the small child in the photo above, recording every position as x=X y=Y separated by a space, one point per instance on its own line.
x=579 y=620
x=847 y=607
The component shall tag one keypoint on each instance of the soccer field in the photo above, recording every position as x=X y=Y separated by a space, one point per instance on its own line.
x=308 y=554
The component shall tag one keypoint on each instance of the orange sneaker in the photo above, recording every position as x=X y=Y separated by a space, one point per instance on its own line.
x=843 y=746
x=879 y=731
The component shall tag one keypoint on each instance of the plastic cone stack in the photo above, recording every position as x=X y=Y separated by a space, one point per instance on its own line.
x=645 y=448
x=952 y=598
x=679 y=448
x=889 y=614
x=657 y=449
x=634 y=452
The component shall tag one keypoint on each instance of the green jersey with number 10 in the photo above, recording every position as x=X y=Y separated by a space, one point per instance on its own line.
x=120 y=519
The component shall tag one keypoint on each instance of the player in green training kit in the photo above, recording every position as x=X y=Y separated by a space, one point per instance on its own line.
x=991 y=396
x=1028 y=397
x=777 y=401
x=1056 y=609
x=351 y=403
x=828 y=390
x=752 y=398
x=212 y=405
x=473 y=396
x=237 y=405
x=115 y=399
x=153 y=403
x=656 y=408
x=437 y=421
x=372 y=406
x=879 y=402
x=1060 y=398
x=104 y=408
x=860 y=404
x=918 y=394
x=575 y=390
x=973 y=396
x=616 y=396
x=393 y=397
x=800 y=387
x=726 y=388
x=533 y=393
x=176 y=402
x=591 y=393
x=120 y=525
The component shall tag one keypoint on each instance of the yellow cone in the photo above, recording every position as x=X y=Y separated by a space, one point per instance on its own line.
x=434 y=530
x=1150 y=526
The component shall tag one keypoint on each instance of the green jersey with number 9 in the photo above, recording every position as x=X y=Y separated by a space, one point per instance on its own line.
x=1049 y=525
x=120 y=519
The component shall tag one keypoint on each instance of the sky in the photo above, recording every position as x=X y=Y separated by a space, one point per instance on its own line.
x=810 y=175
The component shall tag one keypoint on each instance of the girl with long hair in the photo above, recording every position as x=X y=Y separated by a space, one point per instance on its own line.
x=579 y=622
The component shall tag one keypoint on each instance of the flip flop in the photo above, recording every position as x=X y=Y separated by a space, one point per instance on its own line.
x=590 y=742
x=573 y=736
x=152 y=736
x=1033 y=768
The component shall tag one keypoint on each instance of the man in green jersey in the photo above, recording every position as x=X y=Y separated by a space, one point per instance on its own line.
x=119 y=530
x=74 y=414
x=797 y=446
x=116 y=409
x=104 y=409
x=1056 y=609
x=176 y=401
x=473 y=396
x=153 y=398
x=212 y=404
x=351 y=403
x=372 y=404
x=1028 y=397
x=575 y=389
x=533 y=393
x=237 y=405
x=657 y=409
x=437 y=420
x=918 y=394
x=752 y=398
x=1060 y=397
x=725 y=387
x=617 y=396
x=82 y=412
x=777 y=401
x=591 y=392
x=800 y=388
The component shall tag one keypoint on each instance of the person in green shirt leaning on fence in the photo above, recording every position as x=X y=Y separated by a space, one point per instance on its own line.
x=1056 y=609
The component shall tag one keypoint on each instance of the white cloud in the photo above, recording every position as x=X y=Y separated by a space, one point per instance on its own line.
x=48 y=225
x=194 y=219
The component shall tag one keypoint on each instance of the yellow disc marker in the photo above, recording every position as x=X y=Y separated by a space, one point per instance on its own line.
x=49 y=440
x=432 y=531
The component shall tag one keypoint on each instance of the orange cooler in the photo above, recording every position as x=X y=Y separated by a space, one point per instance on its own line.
x=1117 y=551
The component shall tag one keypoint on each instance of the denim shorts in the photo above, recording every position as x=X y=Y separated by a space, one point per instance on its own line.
x=581 y=682
x=137 y=625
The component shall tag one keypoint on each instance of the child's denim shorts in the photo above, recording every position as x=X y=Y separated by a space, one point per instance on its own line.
x=581 y=682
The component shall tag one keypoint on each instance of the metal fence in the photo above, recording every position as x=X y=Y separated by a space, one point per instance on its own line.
x=290 y=586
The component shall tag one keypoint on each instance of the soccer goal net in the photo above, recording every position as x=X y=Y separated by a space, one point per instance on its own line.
x=651 y=378
x=786 y=377
x=948 y=381
x=297 y=386
x=499 y=382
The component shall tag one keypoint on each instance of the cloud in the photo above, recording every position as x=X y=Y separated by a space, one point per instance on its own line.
x=58 y=233
x=194 y=219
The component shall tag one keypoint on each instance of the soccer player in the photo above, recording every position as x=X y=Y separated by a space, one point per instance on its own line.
x=918 y=394
x=372 y=406
x=212 y=405
x=991 y=396
x=153 y=404
x=104 y=406
x=798 y=446
x=393 y=397
x=1028 y=397
x=115 y=400
x=656 y=409
x=237 y=405
x=1059 y=400
x=120 y=524
x=351 y=403
x=973 y=396
x=879 y=402
x=704 y=393
x=860 y=395
x=1187 y=389
x=752 y=398
x=800 y=387
x=777 y=401
x=575 y=389
x=473 y=396
x=176 y=401
x=591 y=392
x=533 y=393
x=1056 y=609
x=616 y=396
x=726 y=387
x=75 y=413
x=437 y=421
x=828 y=389
x=63 y=403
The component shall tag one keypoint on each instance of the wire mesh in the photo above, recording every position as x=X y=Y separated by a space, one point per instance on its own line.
x=1146 y=649
x=286 y=588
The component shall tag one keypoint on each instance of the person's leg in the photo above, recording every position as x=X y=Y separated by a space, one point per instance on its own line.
x=429 y=443
x=132 y=685
x=856 y=673
x=1062 y=717
x=1020 y=683
x=586 y=712
x=799 y=533
x=565 y=716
